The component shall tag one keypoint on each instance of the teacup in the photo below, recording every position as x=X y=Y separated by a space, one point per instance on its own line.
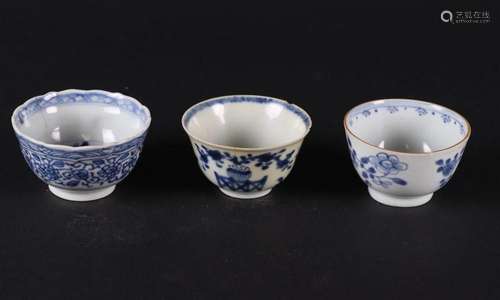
x=405 y=150
x=246 y=144
x=81 y=143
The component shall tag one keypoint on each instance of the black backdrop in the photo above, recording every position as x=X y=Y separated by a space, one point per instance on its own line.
x=166 y=231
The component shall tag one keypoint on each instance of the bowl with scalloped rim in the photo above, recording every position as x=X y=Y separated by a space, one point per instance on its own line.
x=81 y=142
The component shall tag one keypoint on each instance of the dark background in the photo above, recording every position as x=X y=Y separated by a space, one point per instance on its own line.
x=167 y=232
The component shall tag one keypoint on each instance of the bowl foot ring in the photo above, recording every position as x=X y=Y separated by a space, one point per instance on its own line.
x=399 y=201
x=81 y=195
x=243 y=195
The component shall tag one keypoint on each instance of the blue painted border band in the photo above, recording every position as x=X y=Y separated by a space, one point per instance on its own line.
x=39 y=103
x=240 y=99
x=421 y=108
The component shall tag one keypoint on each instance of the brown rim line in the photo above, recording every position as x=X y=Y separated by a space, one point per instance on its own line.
x=462 y=141
x=241 y=149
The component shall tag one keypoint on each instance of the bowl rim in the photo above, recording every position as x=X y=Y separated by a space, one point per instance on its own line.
x=52 y=94
x=248 y=149
x=463 y=140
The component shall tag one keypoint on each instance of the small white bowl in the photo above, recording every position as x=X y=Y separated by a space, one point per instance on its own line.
x=405 y=150
x=81 y=143
x=246 y=144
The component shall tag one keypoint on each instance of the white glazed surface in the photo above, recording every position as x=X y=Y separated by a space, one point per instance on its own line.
x=247 y=125
x=82 y=123
x=246 y=147
x=64 y=124
x=82 y=195
x=405 y=148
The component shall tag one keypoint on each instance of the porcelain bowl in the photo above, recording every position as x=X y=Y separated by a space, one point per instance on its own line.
x=246 y=144
x=81 y=143
x=405 y=150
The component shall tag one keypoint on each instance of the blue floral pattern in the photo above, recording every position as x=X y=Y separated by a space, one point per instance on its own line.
x=86 y=169
x=237 y=168
x=264 y=161
x=421 y=111
x=379 y=169
x=446 y=118
x=81 y=168
x=447 y=166
x=392 y=109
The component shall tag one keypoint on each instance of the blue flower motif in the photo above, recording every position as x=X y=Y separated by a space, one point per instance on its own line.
x=376 y=169
x=392 y=109
x=448 y=166
x=462 y=129
x=264 y=161
x=446 y=118
x=387 y=163
x=421 y=111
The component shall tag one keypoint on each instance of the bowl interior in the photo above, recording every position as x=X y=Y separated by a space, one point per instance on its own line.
x=81 y=118
x=246 y=122
x=407 y=125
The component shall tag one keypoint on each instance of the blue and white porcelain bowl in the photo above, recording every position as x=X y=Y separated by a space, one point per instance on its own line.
x=81 y=143
x=246 y=144
x=405 y=150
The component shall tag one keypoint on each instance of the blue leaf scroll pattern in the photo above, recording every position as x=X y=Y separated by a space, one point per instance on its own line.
x=82 y=169
x=379 y=169
x=447 y=166
x=238 y=172
x=264 y=161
